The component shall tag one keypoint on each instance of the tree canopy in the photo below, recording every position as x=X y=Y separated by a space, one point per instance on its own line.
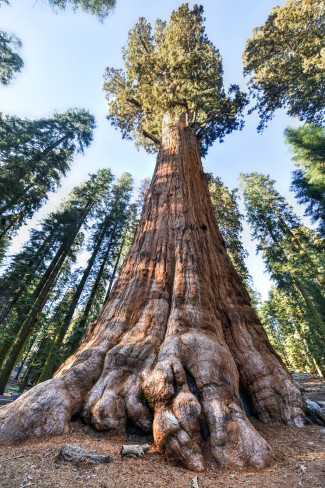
x=100 y=8
x=34 y=155
x=285 y=59
x=10 y=61
x=172 y=70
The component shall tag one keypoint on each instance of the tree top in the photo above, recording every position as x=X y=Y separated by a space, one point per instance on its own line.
x=172 y=69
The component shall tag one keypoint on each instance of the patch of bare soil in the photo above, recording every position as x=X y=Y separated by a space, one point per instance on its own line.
x=300 y=460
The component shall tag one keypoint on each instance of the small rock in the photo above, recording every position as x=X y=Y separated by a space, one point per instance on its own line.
x=322 y=431
x=314 y=412
x=195 y=482
x=77 y=454
x=303 y=468
x=135 y=450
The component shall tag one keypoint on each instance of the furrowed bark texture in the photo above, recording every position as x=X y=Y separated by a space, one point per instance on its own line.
x=174 y=341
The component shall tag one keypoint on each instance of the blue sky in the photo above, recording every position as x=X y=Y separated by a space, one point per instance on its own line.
x=65 y=56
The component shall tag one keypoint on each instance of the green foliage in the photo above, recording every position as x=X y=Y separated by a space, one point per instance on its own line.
x=10 y=61
x=285 y=59
x=34 y=155
x=173 y=70
x=229 y=219
x=100 y=8
x=293 y=255
x=308 y=145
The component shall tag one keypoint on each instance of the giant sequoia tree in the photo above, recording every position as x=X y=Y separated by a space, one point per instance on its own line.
x=177 y=338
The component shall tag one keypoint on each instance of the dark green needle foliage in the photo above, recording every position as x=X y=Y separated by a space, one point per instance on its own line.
x=308 y=182
x=10 y=61
x=34 y=156
x=170 y=70
x=100 y=8
x=88 y=289
x=286 y=63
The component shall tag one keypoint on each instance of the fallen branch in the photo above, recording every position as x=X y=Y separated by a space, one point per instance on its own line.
x=14 y=457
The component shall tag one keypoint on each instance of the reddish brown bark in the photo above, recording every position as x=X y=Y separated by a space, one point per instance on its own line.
x=174 y=339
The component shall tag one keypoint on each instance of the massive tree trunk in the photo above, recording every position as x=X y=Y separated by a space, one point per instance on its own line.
x=176 y=341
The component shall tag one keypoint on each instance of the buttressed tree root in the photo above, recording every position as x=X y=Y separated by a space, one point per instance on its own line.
x=174 y=341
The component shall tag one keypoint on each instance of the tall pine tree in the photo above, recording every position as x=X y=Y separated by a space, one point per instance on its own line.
x=293 y=254
x=107 y=232
x=34 y=156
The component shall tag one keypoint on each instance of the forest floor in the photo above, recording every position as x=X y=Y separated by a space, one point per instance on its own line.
x=299 y=453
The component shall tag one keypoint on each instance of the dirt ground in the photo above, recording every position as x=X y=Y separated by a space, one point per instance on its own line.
x=300 y=460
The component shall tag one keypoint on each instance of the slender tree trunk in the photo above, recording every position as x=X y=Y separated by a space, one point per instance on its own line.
x=94 y=290
x=51 y=362
x=33 y=264
x=25 y=358
x=40 y=295
x=28 y=325
x=82 y=324
x=116 y=265
x=177 y=334
x=26 y=377
x=39 y=356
